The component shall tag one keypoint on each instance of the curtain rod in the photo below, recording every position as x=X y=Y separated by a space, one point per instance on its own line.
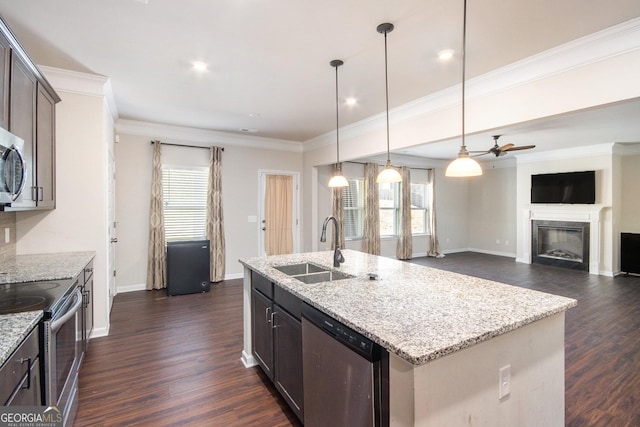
x=410 y=167
x=182 y=145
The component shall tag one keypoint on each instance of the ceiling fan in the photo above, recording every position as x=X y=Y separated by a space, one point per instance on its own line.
x=501 y=151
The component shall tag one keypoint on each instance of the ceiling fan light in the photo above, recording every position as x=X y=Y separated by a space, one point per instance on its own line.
x=388 y=174
x=463 y=166
x=338 y=180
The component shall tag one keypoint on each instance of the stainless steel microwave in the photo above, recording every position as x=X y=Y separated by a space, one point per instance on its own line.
x=13 y=169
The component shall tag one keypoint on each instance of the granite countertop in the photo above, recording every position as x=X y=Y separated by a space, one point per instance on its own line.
x=40 y=267
x=15 y=327
x=418 y=313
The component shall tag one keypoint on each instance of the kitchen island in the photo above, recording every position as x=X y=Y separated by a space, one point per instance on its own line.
x=448 y=336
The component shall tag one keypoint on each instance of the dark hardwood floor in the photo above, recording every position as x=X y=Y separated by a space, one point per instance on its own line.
x=176 y=361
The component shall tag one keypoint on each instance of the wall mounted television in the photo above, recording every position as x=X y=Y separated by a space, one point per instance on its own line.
x=568 y=188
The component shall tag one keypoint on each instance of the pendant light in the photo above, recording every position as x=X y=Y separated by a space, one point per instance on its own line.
x=338 y=180
x=464 y=165
x=389 y=173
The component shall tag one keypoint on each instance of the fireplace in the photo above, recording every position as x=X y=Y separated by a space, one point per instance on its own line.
x=560 y=243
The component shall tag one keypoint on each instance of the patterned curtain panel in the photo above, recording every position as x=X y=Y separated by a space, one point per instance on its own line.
x=434 y=246
x=215 y=220
x=371 y=229
x=338 y=213
x=405 y=243
x=156 y=265
x=279 y=215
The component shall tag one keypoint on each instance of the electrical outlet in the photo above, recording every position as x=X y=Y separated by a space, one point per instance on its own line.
x=504 y=382
x=7 y=235
x=497 y=241
x=506 y=243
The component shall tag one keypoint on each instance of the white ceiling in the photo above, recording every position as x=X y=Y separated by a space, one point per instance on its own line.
x=269 y=59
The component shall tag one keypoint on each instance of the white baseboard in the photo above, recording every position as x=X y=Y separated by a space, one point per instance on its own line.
x=99 y=332
x=488 y=252
x=132 y=288
x=248 y=360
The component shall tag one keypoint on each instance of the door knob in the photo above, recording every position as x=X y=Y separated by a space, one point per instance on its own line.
x=114 y=240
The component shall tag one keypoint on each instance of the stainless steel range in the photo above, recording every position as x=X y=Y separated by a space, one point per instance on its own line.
x=60 y=347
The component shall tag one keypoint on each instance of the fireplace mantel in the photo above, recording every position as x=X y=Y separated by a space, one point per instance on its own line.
x=577 y=213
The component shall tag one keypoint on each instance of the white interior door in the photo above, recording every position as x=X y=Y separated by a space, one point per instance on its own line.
x=267 y=203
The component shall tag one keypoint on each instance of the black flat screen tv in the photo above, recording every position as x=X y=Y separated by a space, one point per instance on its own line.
x=568 y=187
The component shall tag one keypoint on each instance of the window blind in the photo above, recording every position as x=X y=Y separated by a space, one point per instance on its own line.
x=185 y=203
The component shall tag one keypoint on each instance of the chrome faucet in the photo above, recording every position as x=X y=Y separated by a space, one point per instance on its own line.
x=337 y=255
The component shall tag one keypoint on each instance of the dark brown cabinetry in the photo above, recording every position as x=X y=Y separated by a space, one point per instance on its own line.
x=27 y=109
x=277 y=338
x=20 y=375
x=86 y=288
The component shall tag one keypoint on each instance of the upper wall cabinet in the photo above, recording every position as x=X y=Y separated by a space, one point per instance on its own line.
x=27 y=109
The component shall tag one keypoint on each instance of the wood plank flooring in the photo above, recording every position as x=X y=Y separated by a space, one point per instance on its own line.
x=176 y=361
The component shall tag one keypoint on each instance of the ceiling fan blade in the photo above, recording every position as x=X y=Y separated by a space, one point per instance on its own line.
x=506 y=147
x=523 y=147
x=482 y=153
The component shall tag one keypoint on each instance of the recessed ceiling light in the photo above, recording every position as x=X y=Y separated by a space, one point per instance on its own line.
x=445 y=55
x=351 y=101
x=199 y=66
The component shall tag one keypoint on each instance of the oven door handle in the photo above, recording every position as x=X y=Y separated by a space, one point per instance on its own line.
x=57 y=324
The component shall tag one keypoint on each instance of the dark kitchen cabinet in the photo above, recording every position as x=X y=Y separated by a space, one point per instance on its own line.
x=27 y=109
x=87 y=305
x=45 y=160
x=5 y=61
x=262 y=336
x=277 y=338
x=20 y=374
x=22 y=122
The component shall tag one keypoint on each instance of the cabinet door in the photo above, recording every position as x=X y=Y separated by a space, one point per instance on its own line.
x=45 y=150
x=88 y=310
x=28 y=393
x=5 y=60
x=262 y=335
x=22 y=109
x=288 y=359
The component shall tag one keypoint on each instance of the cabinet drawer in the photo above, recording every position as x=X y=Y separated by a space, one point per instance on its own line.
x=17 y=366
x=288 y=301
x=262 y=284
x=88 y=272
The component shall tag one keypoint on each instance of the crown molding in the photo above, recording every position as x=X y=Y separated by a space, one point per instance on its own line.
x=204 y=136
x=567 y=153
x=82 y=84
x=627 y=149
x=610 y=42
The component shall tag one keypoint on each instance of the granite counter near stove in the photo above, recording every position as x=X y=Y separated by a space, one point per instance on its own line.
x=41 y=267
x=14 y=328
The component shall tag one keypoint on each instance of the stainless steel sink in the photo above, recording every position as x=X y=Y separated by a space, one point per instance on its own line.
x=326 y=276
x=297 y=269
x=311 y=273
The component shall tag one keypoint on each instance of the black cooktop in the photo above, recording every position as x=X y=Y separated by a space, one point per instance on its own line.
x=30 y=296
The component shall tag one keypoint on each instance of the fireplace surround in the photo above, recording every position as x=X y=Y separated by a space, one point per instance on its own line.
x=560 y=244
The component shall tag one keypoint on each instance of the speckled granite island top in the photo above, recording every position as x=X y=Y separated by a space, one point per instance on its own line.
x=14 y=329
x=40 y=267
x=418 y=313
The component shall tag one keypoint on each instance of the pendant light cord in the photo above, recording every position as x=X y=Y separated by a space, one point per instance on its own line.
x=386 y=85
x=464 y=48
x=337 y=124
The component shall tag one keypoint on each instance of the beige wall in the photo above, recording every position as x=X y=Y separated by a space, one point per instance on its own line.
x=240 y=166
x=80 y=220
x=630 y=198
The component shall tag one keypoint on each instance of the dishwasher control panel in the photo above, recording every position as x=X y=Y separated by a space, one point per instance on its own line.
x=352 y=339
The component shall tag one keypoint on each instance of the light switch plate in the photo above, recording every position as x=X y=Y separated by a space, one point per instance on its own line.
x=504 y=379
x=7 y=235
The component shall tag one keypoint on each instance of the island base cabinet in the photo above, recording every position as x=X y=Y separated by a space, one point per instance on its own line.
x=262 y=337
x=276 y=339
x=288 y=360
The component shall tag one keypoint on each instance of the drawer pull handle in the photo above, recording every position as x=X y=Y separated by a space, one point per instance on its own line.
x=28 y=360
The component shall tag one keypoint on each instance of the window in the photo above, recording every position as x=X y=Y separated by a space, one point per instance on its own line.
x=389 y=193
x=353 y=203
x=185 y=202
x=419 y=208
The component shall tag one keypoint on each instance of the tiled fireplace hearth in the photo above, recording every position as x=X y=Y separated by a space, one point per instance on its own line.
x=565 y=236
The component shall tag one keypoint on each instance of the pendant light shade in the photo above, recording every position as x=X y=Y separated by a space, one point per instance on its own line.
x=464 y=165
x=389 y=173
x=338 y=180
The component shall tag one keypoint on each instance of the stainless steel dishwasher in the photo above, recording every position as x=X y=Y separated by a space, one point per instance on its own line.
x=345 y=374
